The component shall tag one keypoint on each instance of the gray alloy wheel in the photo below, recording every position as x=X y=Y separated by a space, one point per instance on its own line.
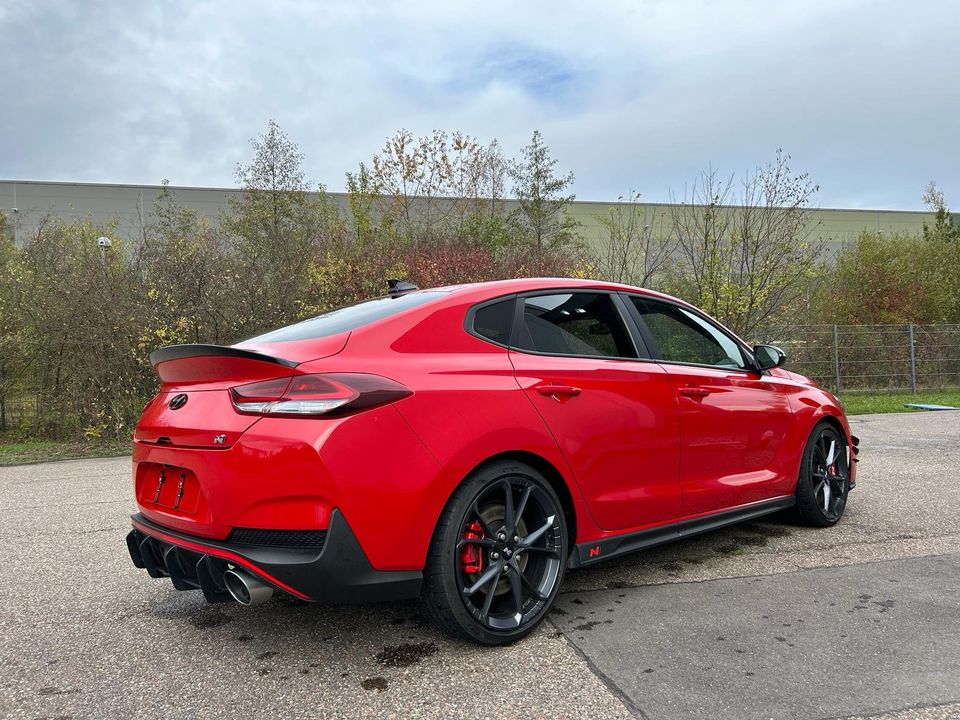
x=498 y=555
x=824 y=477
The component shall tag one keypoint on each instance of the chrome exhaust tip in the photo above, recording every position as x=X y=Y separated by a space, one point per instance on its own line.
x=245 y=588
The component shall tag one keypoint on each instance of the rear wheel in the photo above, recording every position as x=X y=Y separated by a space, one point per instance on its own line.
x=824 y=478
x=497 y=556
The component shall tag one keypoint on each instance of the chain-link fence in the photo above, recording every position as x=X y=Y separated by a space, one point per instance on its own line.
x=872 y=357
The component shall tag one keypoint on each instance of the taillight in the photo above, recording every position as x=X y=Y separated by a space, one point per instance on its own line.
x=327 y=394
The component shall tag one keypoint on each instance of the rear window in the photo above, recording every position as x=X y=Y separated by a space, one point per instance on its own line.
x=347 y=318
x=574 y=324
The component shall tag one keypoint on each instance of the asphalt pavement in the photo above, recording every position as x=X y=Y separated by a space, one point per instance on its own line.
x=763 y=620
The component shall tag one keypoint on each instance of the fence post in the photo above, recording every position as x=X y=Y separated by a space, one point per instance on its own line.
x=913 y=362
x=836 y=356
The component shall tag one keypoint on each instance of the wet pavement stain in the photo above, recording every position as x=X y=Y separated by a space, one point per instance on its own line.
x=214 y=617
x=671 y=566
x=729 y=549
x=884 y=605
x=406 y=654
x=766 y=530
x=375 y=683
x=589 y=625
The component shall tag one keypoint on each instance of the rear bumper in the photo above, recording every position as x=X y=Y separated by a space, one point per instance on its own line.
x=291 y=474
x=337 y=572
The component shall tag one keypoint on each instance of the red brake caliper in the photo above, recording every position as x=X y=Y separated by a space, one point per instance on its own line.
x=470 y=556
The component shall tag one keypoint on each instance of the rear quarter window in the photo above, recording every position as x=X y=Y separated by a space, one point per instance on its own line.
x=495 y=321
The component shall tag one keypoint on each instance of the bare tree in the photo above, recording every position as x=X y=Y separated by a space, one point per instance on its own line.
x=747 y=249
x=413 y=176
x=634 y=251
x=440 y=185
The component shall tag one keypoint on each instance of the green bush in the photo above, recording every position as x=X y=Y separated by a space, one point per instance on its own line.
x=892 y=279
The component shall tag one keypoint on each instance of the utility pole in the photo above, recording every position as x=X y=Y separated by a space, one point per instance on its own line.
x=15 y=211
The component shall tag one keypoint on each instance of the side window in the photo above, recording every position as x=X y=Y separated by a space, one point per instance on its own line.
x=495 y=321
x=683 y=336
x=574 y=324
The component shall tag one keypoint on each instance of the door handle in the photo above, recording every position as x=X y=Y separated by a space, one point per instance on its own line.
x=558 y=391
x=694 y=392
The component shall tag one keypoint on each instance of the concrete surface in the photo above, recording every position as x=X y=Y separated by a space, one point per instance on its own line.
x=84 y=634
x=827 y=642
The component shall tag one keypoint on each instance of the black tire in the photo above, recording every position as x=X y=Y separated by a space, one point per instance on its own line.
x=824 y=478
x=466 y=592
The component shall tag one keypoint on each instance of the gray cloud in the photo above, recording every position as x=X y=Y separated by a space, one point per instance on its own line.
x=630 y=95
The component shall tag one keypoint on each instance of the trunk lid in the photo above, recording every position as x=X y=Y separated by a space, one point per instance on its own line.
x=193 y=407
x=196 y=418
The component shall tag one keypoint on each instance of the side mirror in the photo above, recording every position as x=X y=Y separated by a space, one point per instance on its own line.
x=769 y=356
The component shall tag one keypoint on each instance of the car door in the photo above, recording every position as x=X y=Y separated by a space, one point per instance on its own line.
x=613 y=414
x=733 y=419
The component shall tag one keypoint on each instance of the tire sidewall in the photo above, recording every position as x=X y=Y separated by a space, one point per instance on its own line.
x=807 y=506
x=449 y=535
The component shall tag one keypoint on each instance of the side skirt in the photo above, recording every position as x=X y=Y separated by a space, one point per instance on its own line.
x=593 y=552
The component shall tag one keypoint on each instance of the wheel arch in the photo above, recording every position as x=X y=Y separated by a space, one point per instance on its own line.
x=830 y=416
x=822 y=418
x=550 y=472
x=833 y=422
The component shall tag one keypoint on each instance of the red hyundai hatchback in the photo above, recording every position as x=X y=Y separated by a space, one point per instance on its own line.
x=469 y=444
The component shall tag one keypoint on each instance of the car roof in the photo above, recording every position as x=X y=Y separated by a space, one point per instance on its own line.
x=495 y=288
x=478 y=292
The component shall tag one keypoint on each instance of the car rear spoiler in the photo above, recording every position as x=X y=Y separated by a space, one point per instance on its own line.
x=183 y=352
x=206 y=364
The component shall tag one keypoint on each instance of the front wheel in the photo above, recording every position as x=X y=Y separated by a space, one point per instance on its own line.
x=497 y=556
x=824 y=477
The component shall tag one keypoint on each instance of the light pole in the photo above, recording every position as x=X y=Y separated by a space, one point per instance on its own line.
x=103 y=242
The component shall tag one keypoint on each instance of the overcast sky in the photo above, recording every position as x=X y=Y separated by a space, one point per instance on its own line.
x=865 y=95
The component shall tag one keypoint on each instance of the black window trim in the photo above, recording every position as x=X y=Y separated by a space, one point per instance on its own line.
x=647 y=336
x=639 y=347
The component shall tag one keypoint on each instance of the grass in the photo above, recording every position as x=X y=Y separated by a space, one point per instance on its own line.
x=25 y=452
x=860 y=403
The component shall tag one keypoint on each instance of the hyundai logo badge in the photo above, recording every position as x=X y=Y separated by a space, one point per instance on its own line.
x=178 y=401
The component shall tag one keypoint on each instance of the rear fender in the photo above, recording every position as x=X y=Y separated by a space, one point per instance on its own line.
x=478 y=448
